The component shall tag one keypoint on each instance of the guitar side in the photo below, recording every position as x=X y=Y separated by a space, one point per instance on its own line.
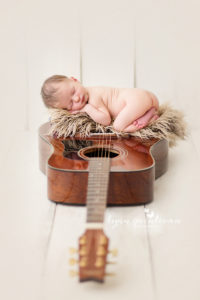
x=129 y=185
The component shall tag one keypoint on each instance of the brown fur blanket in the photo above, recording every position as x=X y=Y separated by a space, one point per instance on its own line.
x=170 y=125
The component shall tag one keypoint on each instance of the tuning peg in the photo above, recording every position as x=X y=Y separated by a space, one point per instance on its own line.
x=99 y=262
x=83 y=262
x=72 y=261
x=82 y=240
x=110 y=274
x=111 y=262
x=83 y=251
x=73 y=273
x=101 y=251
x=103 y=240
x=73 y=250
x=114 y=252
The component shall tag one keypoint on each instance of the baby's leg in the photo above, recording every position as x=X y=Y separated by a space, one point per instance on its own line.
x=133 y=111
x=130 y=113
x=150 y=115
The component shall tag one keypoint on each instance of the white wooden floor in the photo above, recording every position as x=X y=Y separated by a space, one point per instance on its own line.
x=159 y=244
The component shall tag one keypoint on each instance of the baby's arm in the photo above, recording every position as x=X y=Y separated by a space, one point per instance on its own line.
x=99 y=115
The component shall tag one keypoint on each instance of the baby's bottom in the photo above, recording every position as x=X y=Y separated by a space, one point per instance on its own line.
x=149 y=116
x=135 y=115
x=144 y=120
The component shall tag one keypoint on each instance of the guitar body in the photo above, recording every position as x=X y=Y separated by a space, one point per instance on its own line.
x=134 y=165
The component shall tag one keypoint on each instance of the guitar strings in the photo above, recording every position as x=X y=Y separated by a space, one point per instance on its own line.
x=98 y=177
x=107 y=156
x=103 y=151
x=100 y=155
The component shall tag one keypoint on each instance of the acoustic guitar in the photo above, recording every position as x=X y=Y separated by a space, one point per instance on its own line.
x=99 y=170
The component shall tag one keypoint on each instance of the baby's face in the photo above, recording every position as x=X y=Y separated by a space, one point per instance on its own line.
x=71 y=95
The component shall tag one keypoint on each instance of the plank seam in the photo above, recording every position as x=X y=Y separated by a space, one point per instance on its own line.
x=151 y=261
x=50 y=233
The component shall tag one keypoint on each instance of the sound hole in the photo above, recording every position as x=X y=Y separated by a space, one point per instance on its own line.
x=100 y=152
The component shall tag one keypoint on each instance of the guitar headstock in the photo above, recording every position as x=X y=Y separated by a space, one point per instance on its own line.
x=92 y=252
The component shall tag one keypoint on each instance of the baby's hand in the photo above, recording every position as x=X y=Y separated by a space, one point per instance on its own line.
x=78 y=111
x=73 y=112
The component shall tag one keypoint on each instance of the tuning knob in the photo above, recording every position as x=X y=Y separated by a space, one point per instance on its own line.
x=72 y=261
x=114 y=252
x=73 y=250
x=110 y=274
x=103 y=240
x=82 y=240
x=99 y=262
x=73 y=273
x=83 y=262
x=83 y=251
x=111 y=262
x=101 y=251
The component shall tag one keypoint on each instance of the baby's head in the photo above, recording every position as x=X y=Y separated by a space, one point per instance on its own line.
x=59 y=91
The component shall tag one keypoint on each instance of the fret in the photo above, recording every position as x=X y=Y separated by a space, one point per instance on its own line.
x=96 y=195
x=95 y=214
x=98 y=179
x=96 y=210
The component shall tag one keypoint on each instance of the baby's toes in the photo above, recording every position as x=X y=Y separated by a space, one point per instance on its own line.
x=155 y=117
x=141 y=125
x=135 y=123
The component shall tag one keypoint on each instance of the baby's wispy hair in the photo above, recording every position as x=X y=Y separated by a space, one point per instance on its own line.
x=48 y=90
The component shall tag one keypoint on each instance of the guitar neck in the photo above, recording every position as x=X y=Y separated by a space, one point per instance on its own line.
x=98 y=180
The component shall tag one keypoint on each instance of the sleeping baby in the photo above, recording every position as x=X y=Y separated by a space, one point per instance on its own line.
x=131 y=108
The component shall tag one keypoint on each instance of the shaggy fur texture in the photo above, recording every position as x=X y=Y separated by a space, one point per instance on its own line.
x=170 y=125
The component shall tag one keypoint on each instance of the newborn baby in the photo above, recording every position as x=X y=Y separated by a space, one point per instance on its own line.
x=131 y=108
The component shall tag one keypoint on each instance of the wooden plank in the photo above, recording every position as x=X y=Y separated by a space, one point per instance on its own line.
x=14 y=85
x=53 y=48
x=174 y=233
x=167 y=63
x=167 y=52
x=26 y=219
x=107 y=32
x=195 y=134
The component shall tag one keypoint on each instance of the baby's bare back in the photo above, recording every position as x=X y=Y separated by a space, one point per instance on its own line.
x=115 y=99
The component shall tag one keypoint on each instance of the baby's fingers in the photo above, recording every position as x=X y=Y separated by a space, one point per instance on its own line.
x=74 y=112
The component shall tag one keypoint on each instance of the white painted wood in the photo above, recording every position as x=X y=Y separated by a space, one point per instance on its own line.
x=25 y=219
x=108 y=42
x=175 y=240
x=53 y=48
x=195 y=139
x=13 y=72
x=167 y=52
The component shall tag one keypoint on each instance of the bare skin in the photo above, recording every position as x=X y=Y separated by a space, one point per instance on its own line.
x=131 y=108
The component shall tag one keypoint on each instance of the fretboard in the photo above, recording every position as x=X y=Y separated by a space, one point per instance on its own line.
x=98 y=180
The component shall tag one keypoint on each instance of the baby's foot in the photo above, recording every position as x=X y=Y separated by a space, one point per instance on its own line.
x=155 y=117
x=144 y=120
